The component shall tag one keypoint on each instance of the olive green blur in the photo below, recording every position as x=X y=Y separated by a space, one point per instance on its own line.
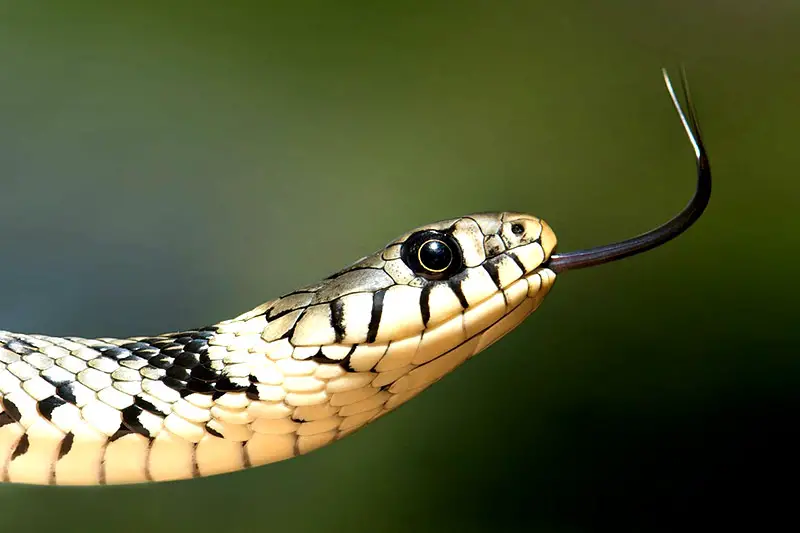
x=165 y=165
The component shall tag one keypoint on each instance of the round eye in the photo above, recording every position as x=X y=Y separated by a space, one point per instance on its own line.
x=517 y=228
x=433 y=255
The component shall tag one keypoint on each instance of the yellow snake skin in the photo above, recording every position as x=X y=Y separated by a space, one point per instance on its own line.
x=286 y=378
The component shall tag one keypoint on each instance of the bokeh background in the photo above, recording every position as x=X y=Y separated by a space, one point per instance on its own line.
x=169 y=164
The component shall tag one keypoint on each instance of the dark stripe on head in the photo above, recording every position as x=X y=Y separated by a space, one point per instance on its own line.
x=491 y=268
x=455 y=286
x=276 y=316
x=322 y=359
x=377 y=311
x=345 y=363
x=337 y=320
x=518 y=261
x=424 y=303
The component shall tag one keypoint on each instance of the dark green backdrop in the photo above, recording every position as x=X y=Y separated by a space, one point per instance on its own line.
x=169 y=164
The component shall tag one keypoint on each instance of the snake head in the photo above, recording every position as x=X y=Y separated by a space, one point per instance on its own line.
x=439 y=293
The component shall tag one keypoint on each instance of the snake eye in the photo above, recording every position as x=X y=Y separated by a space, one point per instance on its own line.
x=432 y=254
x=435 y=255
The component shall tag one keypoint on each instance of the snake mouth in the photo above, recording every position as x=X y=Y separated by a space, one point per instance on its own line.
x=537 y=285
x=412 y=364
x=485 y=322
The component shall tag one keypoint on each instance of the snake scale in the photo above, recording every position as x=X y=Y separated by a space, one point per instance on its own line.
x=295 y=373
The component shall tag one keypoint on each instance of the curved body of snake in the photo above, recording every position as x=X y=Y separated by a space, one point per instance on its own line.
x=293 y=374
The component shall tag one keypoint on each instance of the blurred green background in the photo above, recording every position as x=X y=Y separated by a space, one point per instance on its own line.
x=170 y=164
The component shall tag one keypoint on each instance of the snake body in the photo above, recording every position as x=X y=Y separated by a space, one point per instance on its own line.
x=298 y=372
x=281 y=380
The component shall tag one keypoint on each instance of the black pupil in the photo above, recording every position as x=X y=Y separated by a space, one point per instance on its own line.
x=435 y=255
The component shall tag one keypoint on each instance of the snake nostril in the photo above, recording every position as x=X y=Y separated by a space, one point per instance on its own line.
x=517 y=228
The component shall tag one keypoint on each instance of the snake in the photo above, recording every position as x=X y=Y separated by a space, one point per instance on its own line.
x=300 y=371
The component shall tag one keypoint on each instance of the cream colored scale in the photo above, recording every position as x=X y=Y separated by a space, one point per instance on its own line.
x=294 y=374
